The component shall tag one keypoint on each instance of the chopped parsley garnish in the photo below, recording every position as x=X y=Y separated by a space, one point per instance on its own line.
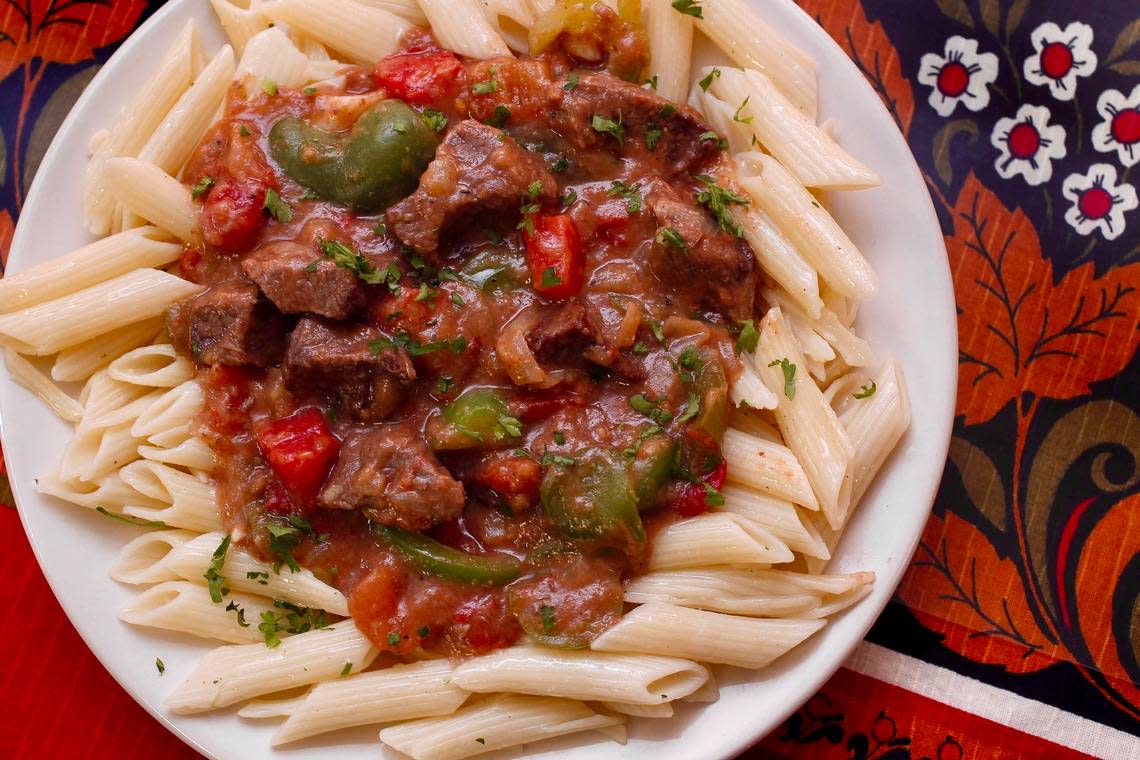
x=549 y=459
x=658 y=332
x=690 y=358
x=670 y=238
x=138 y=522
x=309 y=92
x=689 y=8
x=748 y=338
x=640 y=349
x=202 y=187
x=547 y=618
x=233 y=607
x=789 y=370
x=631 y=193
x=244 y=131
x=643 y=405
x=508 y=427
x=713 y=497
x=380 y=230
x=158 y=663
x=561 y=165
x=434 y=119
x=550 y=278
x=262 y=578
x=692 y=408
x=499 y=117
x=534 y=189
x=283 y=539
x=415 y=348
x=277 y=207
x=559 y=437
x=609 y=127
x=866 y=391
x=346 y=258
x=213 y=574
x=393 y=638
x=427 y=293
x=706 y=83
x=346 y=669
x=306 y=527
x=742 y=119
x=269 y=86
x=423 y=632
x=652 y=82
x=653 y=135
x=569 y=199
x=294 y=619
x=717 y=200
x=458 y=300
x=643 y=436
x=668 y=110
x=571 y=83
x=444 y=384
x=486 y=87
x=714 y=137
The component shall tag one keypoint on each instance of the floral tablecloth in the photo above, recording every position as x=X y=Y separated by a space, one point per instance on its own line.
x=1016 y=631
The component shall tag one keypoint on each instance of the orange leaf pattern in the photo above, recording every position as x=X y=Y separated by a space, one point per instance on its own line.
x=61 y=31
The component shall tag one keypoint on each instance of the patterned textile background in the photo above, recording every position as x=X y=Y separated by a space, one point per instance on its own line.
x=1016 y=632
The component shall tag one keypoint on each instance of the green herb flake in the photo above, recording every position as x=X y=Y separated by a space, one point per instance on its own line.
x=137 y=522
x=559 y=437
x=737 y=116
x=159 y=665
x=550 y=278
x=202 y=187
x=640 y=349
x=706 y=83
x=658 y=332
x=346 y=669
x=690 y=358
x=499 y=117
x=560 y=166
x=233 y=607
x=748 y=338
x=486 y=87
x=789 y=370
x=643 y=405
x=547 y=618
x=260 y=577
x=571 y=83
x=609 y=127
x=653 y=135
x=714 y=137
x=426 y=293
x=668 y=110
x=269 y=86
x=689 y=8
x=508 y=427
x=243 y=130
x=631 y=193
x=670 y=238
x=713 y=497
x=549 y=459
x=434 y=119
x=692 y=408
x=866 y=391
x=569 y=199
x=309 y=92
x=269 y=629
x=213 y=574
x=423 y=632
x=393 y=638
x=277 y=207
x=717 y=200
x=443 y=385
x=283 y=539
x=458 y=300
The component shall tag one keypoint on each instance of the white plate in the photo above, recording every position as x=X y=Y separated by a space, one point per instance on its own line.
x=913 y=317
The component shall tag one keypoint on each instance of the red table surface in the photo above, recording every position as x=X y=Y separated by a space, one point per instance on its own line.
x=1024 y=591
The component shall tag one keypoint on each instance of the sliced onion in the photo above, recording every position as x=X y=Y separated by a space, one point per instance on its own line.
x=515 y=355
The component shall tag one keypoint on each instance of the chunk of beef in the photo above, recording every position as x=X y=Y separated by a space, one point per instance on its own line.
x=676 y=129
x=339 y=362
x=562 y=336
x=527 y=88
x=476 y=169
x=721 y=267
x=297 y=279
x=229 y=324
x=390 y=474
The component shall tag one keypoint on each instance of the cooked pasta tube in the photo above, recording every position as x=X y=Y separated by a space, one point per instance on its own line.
x=274 y=707
x=186 y=501
x=788 y=133
x=145 y=189
x=186 y=607
x=270 y=56
x=406 y=9
x=364 y=34
x=875 y=424
x=748 y=591
x=462 y=26
x=498 y=722
x=90 y=265
x=776 y=515
x=581 y=674
x=402 y=692
x=97 y=450
x=767 y=466
x=749 y=390
x=173 y=555
x=752 y=43
x=238 y=672
x=26 y=374
x=240 y=24
x=720 y=537
x=157 y=366
x=80 y=362
x=512 y=19
x=708 y=693
x=108 y=492
x=193 y=453
x=75 y=318
x=175 y=138
x=670 y=48
x=855 y=351
x=172 y=411
x=102 y=394
x=807 y=225
x=135 y=123
x=666 y=629
x=664 y=710
x=808 y=422
x=779 y=259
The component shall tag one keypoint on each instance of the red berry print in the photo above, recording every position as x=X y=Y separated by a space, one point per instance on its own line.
x=953 y=79
x=1056 y=60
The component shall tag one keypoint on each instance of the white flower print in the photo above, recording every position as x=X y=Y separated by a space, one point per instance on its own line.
x=1028 y=144
x=1062 y=56
x=1098 y=202
x=960 y=75
x=1120 y=130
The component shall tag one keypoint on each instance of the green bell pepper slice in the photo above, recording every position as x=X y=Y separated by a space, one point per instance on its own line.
x=652 y=468
x=479 y=417
x=593 y=499
x=433 y=558
x=376 y=163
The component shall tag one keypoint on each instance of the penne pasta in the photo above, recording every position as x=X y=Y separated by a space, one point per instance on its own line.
x=80 y=362
x=241 y=24
x=26 y=374
x=462 y=26
x=154 y=195
x=193 y=453
x=777 y=516
x=749 y=391
x=273 y=707
x=238 y=672
x=158 y=366
x=98 y=450
x=495 y=723
x=78 y=317
x=854 y=350
x=270 y=56
x=173 y=411
x=670 y=48
x=581 y=674
x=406 y=9
x=108 y=492
x=767 y=466
x=402 y=692
x=185 y=607
x=184 y=500
x=664 y=710
x=672 y=631
x=512 y=19
x=720 y=538
x=364 y=34
x=780 y=260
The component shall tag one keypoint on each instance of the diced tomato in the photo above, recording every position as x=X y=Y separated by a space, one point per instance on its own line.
x=189 y=263
x=374 y=602
x=537 y=407
x=277 y=499
x=483 y=624
x=554 y=254
x=301 y=450
x=402 y=311
x=232 y=384
x=693 y=500
x=421 y=78
x=516 y=479
x=232 y=214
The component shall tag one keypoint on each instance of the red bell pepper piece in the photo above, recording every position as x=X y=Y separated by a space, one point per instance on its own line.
x=420 y=78
x=301 y=450
x=693 y=500
x=232 y=215
x=554 y=254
